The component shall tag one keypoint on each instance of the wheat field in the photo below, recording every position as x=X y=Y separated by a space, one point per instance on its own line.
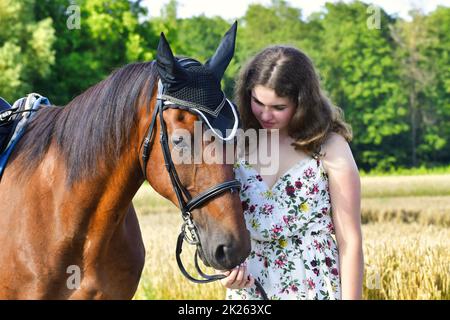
x=406 y=242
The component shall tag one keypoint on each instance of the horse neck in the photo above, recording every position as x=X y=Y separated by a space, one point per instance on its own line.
x=98 y=207
x=118 y=184
x=112 y=189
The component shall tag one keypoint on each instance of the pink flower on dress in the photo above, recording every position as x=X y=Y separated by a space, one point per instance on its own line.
x=277 y=229
x=259 y=178
x=318 y=245
x=290 y=191
x=267 y=209
x=288 y=219
x=330 y=227
x=298 y=184
x=315 y=189
x=252 y=208
x=279 y=263
x=308 y=173
x=294 y=288
x=310 y=283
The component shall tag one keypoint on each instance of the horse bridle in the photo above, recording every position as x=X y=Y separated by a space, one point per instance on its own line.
x=188 y=230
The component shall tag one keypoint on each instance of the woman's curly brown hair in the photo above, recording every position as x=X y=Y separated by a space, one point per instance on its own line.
x=290 y=73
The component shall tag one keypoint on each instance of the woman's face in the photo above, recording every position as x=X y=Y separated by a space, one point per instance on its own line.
x=272 y=111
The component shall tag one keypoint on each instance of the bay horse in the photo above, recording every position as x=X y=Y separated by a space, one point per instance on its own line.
x=66 y=194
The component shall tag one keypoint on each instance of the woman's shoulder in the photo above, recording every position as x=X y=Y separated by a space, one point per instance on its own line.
x=336 y=153
x=334 y=140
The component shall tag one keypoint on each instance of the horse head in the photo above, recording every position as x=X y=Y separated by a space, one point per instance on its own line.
x=189 y=91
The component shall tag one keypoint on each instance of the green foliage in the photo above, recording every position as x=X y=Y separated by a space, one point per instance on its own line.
x=416 y=43
x=358 y=71
x=110 y=35
x=393 y=82
x=402 y=171
x=26 y=52
x=435 y=146
x=263 y=26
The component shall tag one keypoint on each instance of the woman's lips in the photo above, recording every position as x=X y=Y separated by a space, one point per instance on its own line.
x=267 y=124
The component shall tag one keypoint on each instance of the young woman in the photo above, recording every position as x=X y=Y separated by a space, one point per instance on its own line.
x=305 y=219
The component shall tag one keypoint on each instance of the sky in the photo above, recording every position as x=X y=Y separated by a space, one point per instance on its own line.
x=231 y=9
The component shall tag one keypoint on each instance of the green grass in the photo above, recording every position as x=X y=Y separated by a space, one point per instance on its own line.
x=422 y=170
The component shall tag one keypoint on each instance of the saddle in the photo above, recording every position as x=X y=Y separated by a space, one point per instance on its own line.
x=13 y=123
x=5 y=123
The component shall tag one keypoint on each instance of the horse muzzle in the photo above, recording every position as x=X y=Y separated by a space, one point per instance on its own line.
x=224 y=255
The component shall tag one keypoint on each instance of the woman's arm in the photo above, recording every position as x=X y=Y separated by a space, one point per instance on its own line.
x=345 y=193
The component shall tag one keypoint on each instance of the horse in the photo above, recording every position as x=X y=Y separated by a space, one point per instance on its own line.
x=66 y=194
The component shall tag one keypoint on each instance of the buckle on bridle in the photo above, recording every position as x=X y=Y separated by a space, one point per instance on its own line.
x=191 y=236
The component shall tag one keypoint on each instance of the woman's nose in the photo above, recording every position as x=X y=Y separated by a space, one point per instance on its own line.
x=266 y=115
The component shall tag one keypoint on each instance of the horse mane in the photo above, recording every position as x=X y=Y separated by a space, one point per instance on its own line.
x=93 y=128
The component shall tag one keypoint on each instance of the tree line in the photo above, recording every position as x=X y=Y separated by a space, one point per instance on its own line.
x=390 y=76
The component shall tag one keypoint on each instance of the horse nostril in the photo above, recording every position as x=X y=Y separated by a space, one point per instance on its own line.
x=226 y=257
x=220 y=254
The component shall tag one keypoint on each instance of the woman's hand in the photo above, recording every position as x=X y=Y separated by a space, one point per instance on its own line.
x=237 y=278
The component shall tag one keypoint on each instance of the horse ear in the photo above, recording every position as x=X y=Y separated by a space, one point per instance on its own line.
x=218 y=63
x=171 y=73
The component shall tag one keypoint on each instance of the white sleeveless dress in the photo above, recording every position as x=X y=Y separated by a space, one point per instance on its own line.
x=294 y=253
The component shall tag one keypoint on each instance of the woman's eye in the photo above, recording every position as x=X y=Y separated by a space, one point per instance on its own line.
x=256 y=102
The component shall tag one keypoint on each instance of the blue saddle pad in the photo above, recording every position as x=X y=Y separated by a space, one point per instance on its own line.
x=5 y=126
x=4 y=105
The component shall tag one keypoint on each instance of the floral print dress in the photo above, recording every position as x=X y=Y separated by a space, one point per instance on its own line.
x=294 y=253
